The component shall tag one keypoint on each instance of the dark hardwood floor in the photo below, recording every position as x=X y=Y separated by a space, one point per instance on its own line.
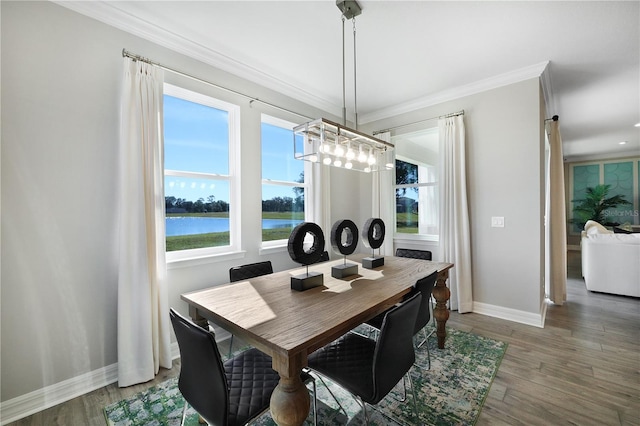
x=582 y=368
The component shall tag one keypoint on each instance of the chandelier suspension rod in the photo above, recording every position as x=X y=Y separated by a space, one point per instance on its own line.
x=355 y=79
x=344 y=80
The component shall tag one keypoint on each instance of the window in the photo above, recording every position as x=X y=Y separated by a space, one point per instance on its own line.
x=417 y=184
x=623 y=178
x=201 y=136
x=284 y=186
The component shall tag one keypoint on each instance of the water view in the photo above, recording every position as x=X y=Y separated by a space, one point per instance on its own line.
x=202 y=225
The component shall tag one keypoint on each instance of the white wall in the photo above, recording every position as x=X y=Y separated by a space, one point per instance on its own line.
x=61 y=76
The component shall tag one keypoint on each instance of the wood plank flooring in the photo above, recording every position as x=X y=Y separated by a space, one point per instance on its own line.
x=583 y=368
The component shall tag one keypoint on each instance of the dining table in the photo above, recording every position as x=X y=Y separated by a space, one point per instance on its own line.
x=288 y=325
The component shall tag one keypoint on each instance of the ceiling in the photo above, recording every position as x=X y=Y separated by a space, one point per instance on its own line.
x=418 y=53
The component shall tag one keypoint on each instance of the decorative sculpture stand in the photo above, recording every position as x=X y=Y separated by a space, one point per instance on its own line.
x=344 y=246
x=295 y=247
x=373 y=236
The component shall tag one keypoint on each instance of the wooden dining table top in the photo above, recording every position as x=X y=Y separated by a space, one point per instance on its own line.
x=267 y=313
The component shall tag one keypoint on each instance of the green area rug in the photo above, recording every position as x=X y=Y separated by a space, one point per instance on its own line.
x=452 y=392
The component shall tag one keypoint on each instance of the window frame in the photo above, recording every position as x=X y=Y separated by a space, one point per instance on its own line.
x=307 y=185
x=401 y=236
x=232 y=178
x=635 y=182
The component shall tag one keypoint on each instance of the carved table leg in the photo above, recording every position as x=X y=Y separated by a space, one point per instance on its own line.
x=441 y=314
x=290 y=399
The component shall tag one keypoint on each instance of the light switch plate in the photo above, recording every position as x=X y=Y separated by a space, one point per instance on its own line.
x=497 y=222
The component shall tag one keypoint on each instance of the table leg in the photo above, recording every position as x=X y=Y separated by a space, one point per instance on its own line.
x=441 y=314
x=198 y=319
x=290 y=399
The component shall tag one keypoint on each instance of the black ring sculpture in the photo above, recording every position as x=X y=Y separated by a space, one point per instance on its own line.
x=352 y=237
x=373 y=233
x=296 y=240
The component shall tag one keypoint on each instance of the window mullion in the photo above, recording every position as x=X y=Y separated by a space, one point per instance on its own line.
x=283 y=183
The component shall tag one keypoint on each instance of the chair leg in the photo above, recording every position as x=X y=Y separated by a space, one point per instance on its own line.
x=315 y=402
x=332 y=395
x=428 y=358
x=426 y=338
x=413 y=393
x=364 y=411
x=184 y=413
x=231 y=347
x=404 y=389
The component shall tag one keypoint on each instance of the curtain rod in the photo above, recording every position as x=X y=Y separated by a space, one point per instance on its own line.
x=126 y=54
x=453 y=114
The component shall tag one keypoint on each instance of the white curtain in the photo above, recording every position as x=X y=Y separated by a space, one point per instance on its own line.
x=455 y=238
x=383 y=198
x=557 y=220
x=143 y=310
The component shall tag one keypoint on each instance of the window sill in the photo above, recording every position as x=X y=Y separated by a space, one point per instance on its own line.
x=416 y=237
x=204 y=259
x=279 y=247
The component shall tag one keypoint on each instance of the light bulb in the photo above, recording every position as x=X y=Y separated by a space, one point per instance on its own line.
x=348 y=165
x=338 y=151
x=372 y=159
x=321 y=148
x=337 y=163
x=362 y=157
x=327 y=160
x=313 y=158
x=367 y=169
x=350 y=154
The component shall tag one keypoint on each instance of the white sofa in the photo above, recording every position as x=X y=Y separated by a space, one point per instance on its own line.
x=610 y=261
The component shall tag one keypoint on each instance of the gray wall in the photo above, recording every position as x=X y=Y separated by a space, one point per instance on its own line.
x=505 y=147
x=61 y=76
x=61 y=79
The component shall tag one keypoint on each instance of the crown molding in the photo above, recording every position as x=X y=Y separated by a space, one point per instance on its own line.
x=108 y=13
x=532 y=71
x=547 y=91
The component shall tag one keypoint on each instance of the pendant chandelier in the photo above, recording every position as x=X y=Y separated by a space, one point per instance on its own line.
x=332 y=144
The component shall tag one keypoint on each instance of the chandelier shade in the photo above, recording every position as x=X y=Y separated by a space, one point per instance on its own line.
x=332 y=144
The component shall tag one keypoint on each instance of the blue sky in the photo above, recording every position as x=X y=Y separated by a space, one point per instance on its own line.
x=195 y=139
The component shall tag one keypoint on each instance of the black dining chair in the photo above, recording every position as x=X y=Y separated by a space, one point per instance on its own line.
x=424 y=287
x=250 y=270
x=370 y=369
x=414 y=254
x=324 y=257
x=245 y=272
x=229 y=393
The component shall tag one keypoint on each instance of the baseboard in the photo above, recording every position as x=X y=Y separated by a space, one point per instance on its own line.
x=49 y=396
x=522 y=317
